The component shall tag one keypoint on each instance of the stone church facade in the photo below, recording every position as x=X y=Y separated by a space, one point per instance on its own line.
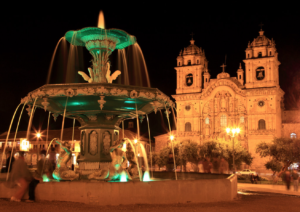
x=252 y=100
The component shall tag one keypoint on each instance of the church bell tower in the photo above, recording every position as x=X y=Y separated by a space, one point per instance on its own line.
x=191 y=63
x=261 y=63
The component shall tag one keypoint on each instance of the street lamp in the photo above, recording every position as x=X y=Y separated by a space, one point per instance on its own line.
x=38 y=135
x=231 y=133
x=172 y=138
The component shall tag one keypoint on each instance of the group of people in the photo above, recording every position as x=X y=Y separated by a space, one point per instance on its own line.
x=21 y=176
x=289 y=177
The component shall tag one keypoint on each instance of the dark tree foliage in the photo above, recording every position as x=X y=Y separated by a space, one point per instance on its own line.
x=282 y=152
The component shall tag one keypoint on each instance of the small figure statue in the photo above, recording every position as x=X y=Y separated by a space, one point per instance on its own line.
x=117 y=166
x=61 y=171
x=112 y=77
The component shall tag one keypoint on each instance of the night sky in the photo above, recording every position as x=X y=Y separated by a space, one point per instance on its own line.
x=29 y=34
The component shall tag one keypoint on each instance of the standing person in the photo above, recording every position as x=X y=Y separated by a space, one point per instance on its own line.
x=287 y=179
x=295 y=179
x=9 y=162
x=38 y=175
x=20 y=174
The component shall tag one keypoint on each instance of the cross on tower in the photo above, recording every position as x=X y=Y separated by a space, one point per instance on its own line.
x=223 y=66
x=261 y=25
x=192 y=36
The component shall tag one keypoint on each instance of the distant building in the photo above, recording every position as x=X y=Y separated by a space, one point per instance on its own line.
x=252 y=101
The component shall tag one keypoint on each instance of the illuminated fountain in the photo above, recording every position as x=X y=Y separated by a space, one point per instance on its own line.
x=99 y=105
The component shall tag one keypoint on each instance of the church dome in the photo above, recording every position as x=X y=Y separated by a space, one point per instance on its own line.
x=192 y=49
x=261 y=40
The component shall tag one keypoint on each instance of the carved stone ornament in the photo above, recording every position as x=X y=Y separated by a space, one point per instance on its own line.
x=118 y=92
x=141 y=118
x=133 y=94
x=155 y=105
x=70 y=92
x=106 y=142
x=59 y=92
x=55 y=115
x=109 y=117
x=50 y=92
x=29 y=109
x=45 y=103
x=92 y=117
x=102 y=91
x=85 y=91
x=101 y=101
x=82 y=143
x=93 y=144
x=146 y=95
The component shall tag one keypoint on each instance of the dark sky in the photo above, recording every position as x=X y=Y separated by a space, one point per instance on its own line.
x=29 y=34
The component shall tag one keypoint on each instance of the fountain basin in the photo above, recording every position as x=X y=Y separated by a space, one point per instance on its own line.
x=219 y=188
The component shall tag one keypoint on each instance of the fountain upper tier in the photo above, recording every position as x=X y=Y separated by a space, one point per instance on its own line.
x=98 y=104
x=97 y=40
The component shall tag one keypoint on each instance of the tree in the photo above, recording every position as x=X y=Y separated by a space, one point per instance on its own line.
x=282 y=152
x=218 y=149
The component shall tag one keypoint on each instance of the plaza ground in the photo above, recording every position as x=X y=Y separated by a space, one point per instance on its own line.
x=248 y=201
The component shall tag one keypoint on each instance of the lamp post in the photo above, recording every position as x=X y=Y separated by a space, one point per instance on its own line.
x=38 y=135
x=233 y=131
x=172 y=138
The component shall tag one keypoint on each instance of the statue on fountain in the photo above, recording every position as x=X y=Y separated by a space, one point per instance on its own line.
x=118 y=165
x=62 y=171
x=91 y=78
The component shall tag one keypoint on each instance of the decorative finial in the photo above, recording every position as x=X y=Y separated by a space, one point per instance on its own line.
x=192 y=41
x=261 y=32
x=261 y=25
x=223 y=66
x=240 y=66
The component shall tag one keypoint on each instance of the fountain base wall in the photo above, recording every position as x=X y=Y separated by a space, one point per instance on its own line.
x=135 y=192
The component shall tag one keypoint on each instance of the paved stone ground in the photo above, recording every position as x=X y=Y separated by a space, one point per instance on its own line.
x=249 y=201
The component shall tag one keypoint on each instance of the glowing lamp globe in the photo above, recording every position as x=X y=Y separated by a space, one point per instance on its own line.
x=237 y=130
x=228 y=130
x=171 y=137
x=24 y=145
x=135 y=140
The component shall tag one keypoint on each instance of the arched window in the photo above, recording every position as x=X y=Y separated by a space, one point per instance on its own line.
x=179 y=63
x=189 y=62
x=261 y=124
x=259 y=54
x=206 y=80
x=223 y=121
x=188 y=127
x=240 y=76
x=207 y=120
x=270 y=53
x=242 y=119
x=197 y=61
x=248 y=55
x=293 y=135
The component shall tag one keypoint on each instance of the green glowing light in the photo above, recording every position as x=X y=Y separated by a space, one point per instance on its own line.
x=45 y=178
x=130 y=102
x=146 y=177
x=129 y=108
x=123 y=177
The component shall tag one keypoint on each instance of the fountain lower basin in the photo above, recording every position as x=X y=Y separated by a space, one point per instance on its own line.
x=193 y=188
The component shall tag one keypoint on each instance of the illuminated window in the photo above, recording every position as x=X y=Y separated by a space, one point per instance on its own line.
x=293 y=135
x=223 y=121
x=242 y=119
x=189 y=62
x=207 y=120
x=261 y=124
x=188 y=127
